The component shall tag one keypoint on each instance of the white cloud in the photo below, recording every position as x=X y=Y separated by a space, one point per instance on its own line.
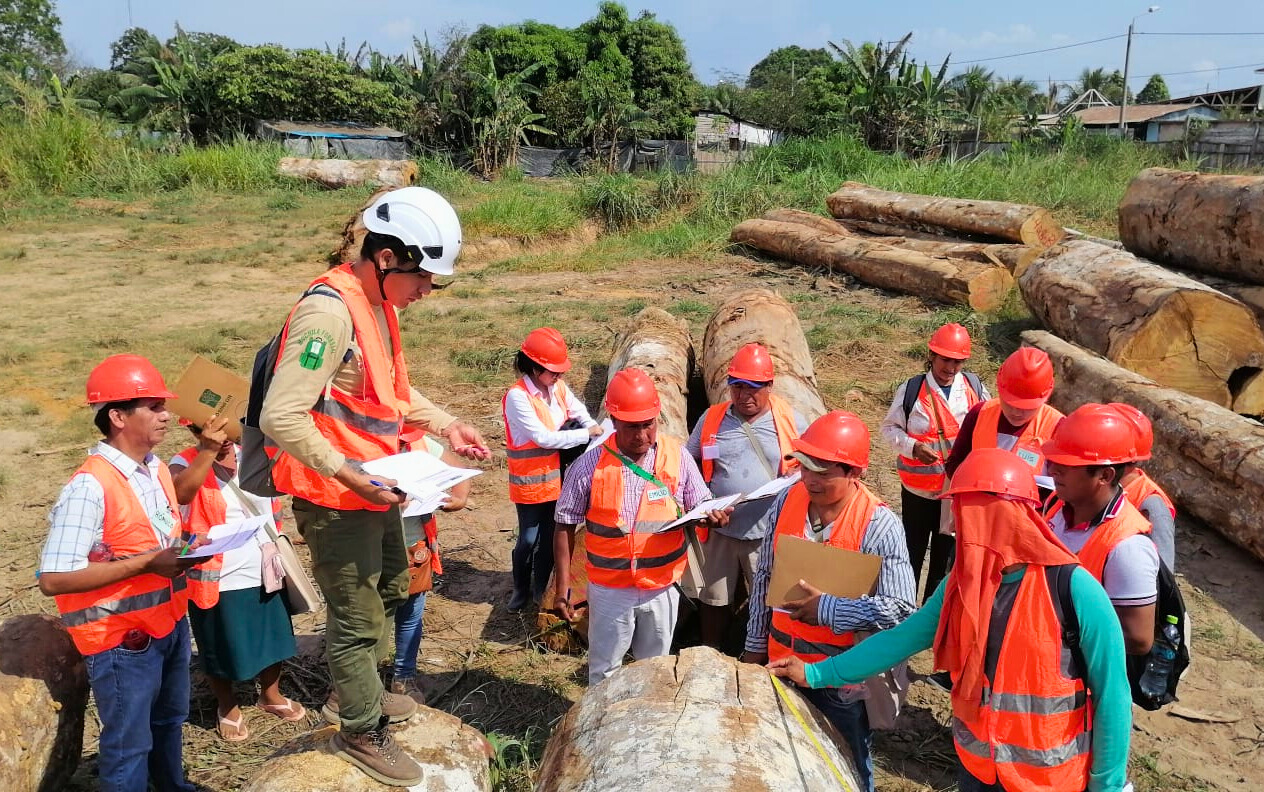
x=1204 y=66
x=399 y=28
x=942 y=37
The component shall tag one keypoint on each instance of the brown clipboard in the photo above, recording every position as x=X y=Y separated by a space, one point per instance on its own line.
x=206 y=389
x=833 y=570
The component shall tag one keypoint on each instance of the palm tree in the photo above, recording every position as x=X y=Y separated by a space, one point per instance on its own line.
x=501 y=115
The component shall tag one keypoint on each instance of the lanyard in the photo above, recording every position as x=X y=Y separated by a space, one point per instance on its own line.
x=645 y=474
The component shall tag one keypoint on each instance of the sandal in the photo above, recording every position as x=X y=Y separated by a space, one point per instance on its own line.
x=290 y=712
x=233 y=730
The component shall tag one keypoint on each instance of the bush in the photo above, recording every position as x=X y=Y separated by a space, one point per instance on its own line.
x=619 y=200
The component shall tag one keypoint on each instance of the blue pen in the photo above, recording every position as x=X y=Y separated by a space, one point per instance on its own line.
x=395 y=490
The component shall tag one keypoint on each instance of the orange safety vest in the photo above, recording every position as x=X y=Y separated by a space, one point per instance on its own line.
x=1126 y=523
x=782 y=421
x=207 y=510
x=1142 y=487
x=647 y=557
x=1032 y=731
x=535 y=473
x=362 y=426
x=809 y=643
x=98 y=619
x=1030 y=439
x=916 y=475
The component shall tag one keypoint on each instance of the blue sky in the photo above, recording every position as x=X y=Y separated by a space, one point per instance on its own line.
x=732 y=35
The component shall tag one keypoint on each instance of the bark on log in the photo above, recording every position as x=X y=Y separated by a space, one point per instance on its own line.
x=761 y=316
x=43 y=695
x=981 y=286
x=353 y=232
x=1199 y=221
x=1206 y=457
x=337 y=174
x=452 y=755
x=697 y=721
x=826 y=224
x=1143 y=317
x=1027 y=225
x=887 y=229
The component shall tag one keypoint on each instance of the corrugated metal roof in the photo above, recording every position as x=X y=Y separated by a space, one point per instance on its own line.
x=1134 y=114
x=326 y=129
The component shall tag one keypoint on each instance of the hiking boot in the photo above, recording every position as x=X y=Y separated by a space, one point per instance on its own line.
x=395 y=708
x=378 y=755
x=410 y=688
x=518 y=602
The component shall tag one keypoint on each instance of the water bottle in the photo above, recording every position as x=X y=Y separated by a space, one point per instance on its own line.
x=1159 y=664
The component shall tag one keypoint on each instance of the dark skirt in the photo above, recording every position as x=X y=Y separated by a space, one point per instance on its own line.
x=244 y=633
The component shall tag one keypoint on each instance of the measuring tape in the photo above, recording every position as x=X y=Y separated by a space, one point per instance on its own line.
x=785 y=696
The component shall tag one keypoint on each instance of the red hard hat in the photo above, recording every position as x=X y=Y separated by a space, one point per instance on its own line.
x=752 y=363
x=997 y=472
x=1093 y=434
x=1025 y=379
x=1141 y=424
x=631 y=396
x=951 y=341
x=837 y=436
x=123 y=378
x=547 y=347
x=412 y=436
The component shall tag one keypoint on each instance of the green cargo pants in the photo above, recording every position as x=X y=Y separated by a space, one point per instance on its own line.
x=360 y=562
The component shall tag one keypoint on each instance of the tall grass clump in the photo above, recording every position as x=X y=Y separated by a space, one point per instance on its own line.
x=525 y=210
x=619 y=200
x=440 y=174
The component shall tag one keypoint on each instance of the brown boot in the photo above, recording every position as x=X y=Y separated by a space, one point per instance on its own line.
x=378 y=755
x=397 y=708
x=409 y=688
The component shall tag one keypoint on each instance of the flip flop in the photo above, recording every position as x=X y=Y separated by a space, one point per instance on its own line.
x=290 y=712
x=236 y=730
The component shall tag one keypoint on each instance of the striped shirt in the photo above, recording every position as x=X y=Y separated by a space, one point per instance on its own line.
x=888 y=606
x=77 y=520
x=572 y=505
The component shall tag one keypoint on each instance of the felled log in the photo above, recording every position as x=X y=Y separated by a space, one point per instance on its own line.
x=353 y=232
x=1206 y=457
x=337 y=174
x=763 y=317
x=43 y=695
x=1160 y=324
x=659 y=344
x=1200 y=221
x=452 y=755
x=980 y=286
x=1027 y=225
x=693 y=722
x=798 y=216
x=1248 y=294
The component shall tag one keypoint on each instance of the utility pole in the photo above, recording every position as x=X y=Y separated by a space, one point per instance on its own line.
x=129 y=15
x=1123 y=104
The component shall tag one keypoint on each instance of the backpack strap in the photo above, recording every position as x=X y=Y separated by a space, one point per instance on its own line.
x=1070 y=620
x=911 y=390
x=975 y=383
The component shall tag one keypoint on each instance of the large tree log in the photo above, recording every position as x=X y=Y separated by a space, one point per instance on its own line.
x=1206 y=457
x=981 y=286
x=1199 y=221
x=761 y=316
x=1028 y=225
x=694 y=722
x=452 y=755
x=1248 y=294
x=827 y=225
x=337 y=174
x=353 y=232
x=43 y=695
x=1153 y=321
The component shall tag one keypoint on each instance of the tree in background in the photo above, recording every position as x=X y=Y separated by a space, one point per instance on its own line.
x=130 y=46
x=663 y=88
x=30 y=37
x=785 y=66
x=168 y=87
x=1155 y=90
x=501 y=114
x=1108 y=84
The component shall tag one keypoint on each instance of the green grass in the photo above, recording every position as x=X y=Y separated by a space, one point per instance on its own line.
x=526 y=211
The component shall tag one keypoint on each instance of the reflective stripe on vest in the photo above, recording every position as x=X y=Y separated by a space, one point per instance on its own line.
x=535 y=473
x=645 y=558
x=1143 y=487
x=813 y=643
x=98 y=619
x=1032 y=727
x=783 y=423
x=362 y=427
x=205 y=511
x=1028 y=442
x=1126 y=523
x=917 y=476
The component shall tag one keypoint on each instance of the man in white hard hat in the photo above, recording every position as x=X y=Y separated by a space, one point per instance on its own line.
x=338 y=398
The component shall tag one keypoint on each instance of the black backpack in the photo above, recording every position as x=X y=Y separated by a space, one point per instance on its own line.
x=1170 y=602
x=258 y=451
x=914 y=386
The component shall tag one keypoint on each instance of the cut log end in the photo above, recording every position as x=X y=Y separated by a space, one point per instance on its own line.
x=1247 y=387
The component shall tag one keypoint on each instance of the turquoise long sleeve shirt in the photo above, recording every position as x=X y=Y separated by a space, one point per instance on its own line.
x=1101 y=641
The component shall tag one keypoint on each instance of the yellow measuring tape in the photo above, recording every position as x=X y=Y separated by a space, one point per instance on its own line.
x=785 y=696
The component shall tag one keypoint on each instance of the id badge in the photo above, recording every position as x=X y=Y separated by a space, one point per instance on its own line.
x=1030 y=457
x=163 y=522
x=658 y=493
x=711 y=451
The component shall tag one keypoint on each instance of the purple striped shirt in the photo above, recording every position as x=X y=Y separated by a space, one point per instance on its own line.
x=572 y=505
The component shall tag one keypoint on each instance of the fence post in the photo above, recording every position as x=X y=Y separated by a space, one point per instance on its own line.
x=1255 y=139
x=1220 y=158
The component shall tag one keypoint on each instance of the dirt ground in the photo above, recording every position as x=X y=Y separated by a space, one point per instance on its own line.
x=214 y=275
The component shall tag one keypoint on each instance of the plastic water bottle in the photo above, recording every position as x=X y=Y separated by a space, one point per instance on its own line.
x=1159 y=664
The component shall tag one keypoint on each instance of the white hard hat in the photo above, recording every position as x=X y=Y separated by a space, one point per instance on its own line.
x=424 y=221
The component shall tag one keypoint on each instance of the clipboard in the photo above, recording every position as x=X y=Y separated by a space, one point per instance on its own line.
x=206 y=389
x=833 y=570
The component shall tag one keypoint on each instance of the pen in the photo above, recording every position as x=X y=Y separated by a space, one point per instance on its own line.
x=395 y=490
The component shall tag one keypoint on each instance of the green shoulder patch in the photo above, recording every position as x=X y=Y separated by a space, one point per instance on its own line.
x=313 y=354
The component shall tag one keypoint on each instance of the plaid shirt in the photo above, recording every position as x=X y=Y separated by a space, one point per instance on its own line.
x=77 y=520
x=572 y=505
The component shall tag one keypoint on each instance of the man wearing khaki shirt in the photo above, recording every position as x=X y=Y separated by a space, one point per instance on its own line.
x=338 y=398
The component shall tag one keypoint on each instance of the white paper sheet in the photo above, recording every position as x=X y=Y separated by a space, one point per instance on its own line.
x=417 y=508
x=772 y=488
x=229 y=536
x=607 y=429
x=421 y=476
x=1045 y=482
x=700 y=511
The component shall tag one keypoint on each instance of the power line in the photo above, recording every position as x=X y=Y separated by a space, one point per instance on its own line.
x=1140 y=33
x=1037 y=52
x=1179 y=73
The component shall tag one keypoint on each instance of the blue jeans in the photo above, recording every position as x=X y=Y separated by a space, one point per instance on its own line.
x=143 y=701
x=533 y=554
x=852 y=722
x=408 y=631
